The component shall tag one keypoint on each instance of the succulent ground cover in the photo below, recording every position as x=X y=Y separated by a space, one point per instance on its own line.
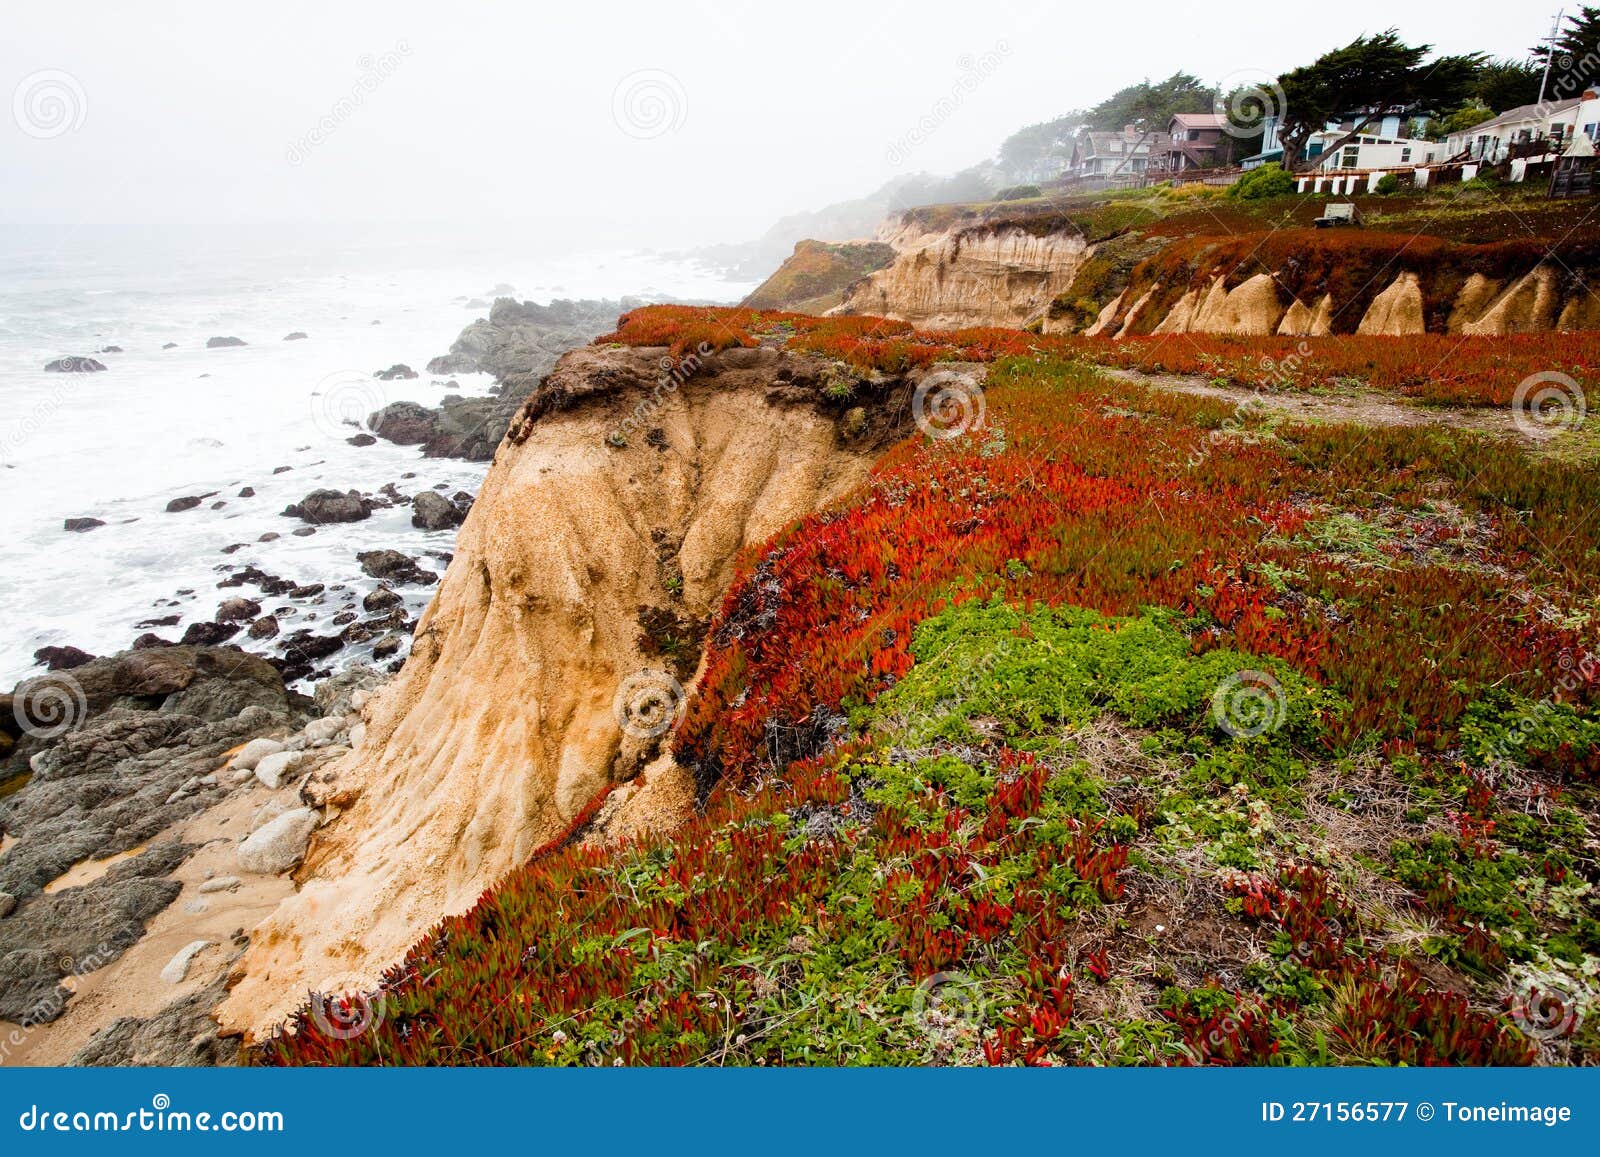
x=1122 y=727
x=1443 y=369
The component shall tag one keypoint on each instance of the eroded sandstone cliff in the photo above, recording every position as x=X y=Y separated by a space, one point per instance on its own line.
x=994 y=273
x=605 y=533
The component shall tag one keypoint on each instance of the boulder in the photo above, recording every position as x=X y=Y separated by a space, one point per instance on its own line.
x=8 y=904
x=462 y=363
x=74 y=365
x=271 y=769
x=266 y=627
x=254 y=752
x=295 y=336
x=238 y=610
x=171 y=345
x=178 y=505
x=394 y=567
x=361 y=440
x=397 y=372
x=326 y=506
x=217 y=343
x=110 y=349
x=280 y=845
x=432 y=511
x=403 y=423
x=382 y=599
x=178 y=967
x=62 y=658
x=208 y=634
x=81 y=524
x=221 y=884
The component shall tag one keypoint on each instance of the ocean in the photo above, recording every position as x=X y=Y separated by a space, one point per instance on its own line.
x=164 y=423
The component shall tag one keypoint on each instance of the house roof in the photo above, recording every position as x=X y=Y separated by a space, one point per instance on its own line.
x=1200 y=120
x=1524 y=113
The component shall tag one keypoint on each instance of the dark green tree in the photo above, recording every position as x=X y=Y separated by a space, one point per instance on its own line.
x=1152 y=105
x=1575 y=63
x=1368 y=79
x=1507 y=84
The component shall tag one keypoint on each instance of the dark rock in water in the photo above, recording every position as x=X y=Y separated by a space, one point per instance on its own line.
x=62 y=658
x=74 y=365
x=238 y=610
x=344 y=618
x=270 y=536
x=295 y=336
x=81 y=524
x=355 y=633
x=163 y=621
x=247 y=492
x=433 y=512
x=395 y=567
x=394 y=620
x=171 y=345
x=208 y=634
x=462 y=363
x=111 y=349
x=386 y=646
x=305 y=645
x=217 y=343
x=269 y=584
x=403 y=423
x=218 y=504
x=266 y=627
x=382 y=599
x=325 y=506
x=234 y=547
x=304 y=532
x=181 y=504
x=148 y=640
x=397 y=372
x=282 y=469
x=309 y=591
x=181 y=1035
x=361 y=440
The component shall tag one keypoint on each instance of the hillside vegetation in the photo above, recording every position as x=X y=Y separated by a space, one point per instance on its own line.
x=1105 y=725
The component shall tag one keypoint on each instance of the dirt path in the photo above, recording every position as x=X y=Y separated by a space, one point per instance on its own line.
x=1362 y=407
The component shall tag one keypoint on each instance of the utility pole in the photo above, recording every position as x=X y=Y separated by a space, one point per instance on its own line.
x=1550 y=54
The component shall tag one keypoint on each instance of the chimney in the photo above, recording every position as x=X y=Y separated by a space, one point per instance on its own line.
x=1131 y=132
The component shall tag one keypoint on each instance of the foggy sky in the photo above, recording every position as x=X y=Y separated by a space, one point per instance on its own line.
x=670 y=123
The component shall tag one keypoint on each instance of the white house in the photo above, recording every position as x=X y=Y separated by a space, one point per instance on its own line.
x=1554 y=121
x=1370 y=151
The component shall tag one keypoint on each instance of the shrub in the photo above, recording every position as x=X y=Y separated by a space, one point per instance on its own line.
x=1387 y=185
x=1019 y=193
x=1270 y=180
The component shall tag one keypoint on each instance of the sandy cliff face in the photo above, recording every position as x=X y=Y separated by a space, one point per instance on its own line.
x=1002 y=275
x=505 y=722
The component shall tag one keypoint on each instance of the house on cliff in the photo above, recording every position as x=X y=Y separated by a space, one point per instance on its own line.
x=1194 y=141
x=1112 y=157
x=1500 y=139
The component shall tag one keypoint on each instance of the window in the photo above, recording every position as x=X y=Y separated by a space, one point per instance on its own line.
x=1351 y=156
x=1588 y=131
x=1405 y=156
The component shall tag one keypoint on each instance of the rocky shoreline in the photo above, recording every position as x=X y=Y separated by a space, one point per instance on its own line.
x=308 y=630
x=149 y=794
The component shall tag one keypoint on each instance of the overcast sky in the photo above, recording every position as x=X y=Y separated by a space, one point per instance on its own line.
x=692 y=120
